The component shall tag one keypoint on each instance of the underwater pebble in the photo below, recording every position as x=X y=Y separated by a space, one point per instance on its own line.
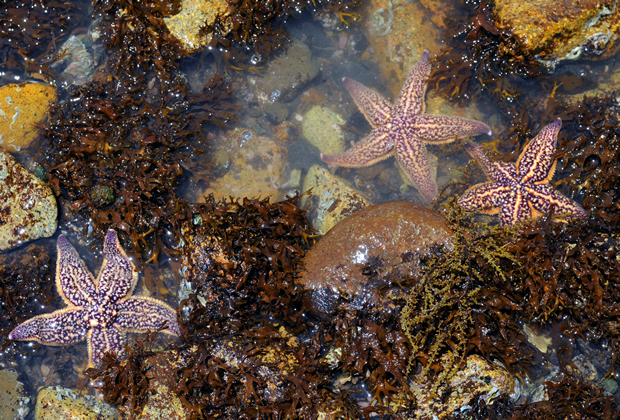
x=59 y=403
x=285 y=75
x=13 y=403
x=388 y=237
x=22 y=106
x=610 y=385
x=478 y=377
x=321 y=128
x=76 y=61
x=331 y=199
x=256 y=168
x=28 y=208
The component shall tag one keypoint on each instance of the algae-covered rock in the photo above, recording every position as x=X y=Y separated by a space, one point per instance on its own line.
x=566 y=30
x=13 y=403
x=330 y=200
x=59 y=403
x=256 y=168
x=22 y=106
x=321 y=128
x=28 y=208
x=286 y=74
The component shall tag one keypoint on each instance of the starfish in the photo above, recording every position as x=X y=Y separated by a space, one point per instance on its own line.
x=101 y=310
x=522 y=191
x=402 y=129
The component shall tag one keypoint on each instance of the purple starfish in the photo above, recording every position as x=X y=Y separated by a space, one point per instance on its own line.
x=99 y=310
x=403 y=129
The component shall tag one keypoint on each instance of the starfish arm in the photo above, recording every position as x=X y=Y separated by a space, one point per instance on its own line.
x=411 y=98
x=376 y=146
x=444 y=129
x=75 y=284
x=65 y=326
x=542 y=197
x=116 y=277
x=104 y=340
x=505 y=173
x=412 y=157
x=375 y=107
x=139 y=314
x=514 y=209
x=536 y=163
x=485 y=198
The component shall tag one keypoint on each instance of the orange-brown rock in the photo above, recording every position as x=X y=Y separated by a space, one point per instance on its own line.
x=372 y=249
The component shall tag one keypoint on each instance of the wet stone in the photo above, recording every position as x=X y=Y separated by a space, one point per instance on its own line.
x=13 y=403
x=369 y=250
x=285 y=75
x=28 y=210
x=321 y=128
x=256 y=168
x=22 y=106
x=64 y=404
x=194 y=15
x=330 y=200
x=552 y=32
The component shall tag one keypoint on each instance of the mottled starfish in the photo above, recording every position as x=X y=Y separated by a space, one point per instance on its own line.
x=101 y=310
x=402 y=129
x=522 y=191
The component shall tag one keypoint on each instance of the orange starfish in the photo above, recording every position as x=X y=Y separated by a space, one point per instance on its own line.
x=402 y=129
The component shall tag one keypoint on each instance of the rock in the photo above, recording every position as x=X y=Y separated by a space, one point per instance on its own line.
x=195 y=14
x=331 y=199
x=76 y=61
x=285 y=75
x=610 y=385
x=478 y=377
x=22 y=106
x=555 y=32
x=321 y=128
x=374 y=247
x=256 y=168
x=13 y=403
x=59 y=403
x=163 y=404
x=28 y=209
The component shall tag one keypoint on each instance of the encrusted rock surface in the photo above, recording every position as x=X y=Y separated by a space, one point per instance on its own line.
x=194 y=14
x=321 y=128
x=379 y=244
x=59 y=403
x=330 y=200
x=28 y=210
x=13 y=403
x=562 y=30
x=21 y=107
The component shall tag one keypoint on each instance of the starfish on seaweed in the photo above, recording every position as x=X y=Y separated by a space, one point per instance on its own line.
x=402 y=129
x=522 y=191
x=101 y=310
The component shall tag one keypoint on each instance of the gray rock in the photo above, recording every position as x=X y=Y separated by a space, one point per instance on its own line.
x=28 y=210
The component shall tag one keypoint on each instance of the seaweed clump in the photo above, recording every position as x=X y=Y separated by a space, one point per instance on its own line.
x=130 y=131
x=240 y=356
x=445 y=307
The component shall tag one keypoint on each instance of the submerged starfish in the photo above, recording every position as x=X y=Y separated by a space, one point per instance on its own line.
x=402 y=129
x=521 y=192
x=99 y=310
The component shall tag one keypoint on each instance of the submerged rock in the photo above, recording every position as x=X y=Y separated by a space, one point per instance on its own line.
x=194 y=15
x=329 y=199
x=28 y=209
x=59 y=403
x=22 y=106
x=372 y=249
x=321 y=128
x=285 y=75
x=13 y=403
